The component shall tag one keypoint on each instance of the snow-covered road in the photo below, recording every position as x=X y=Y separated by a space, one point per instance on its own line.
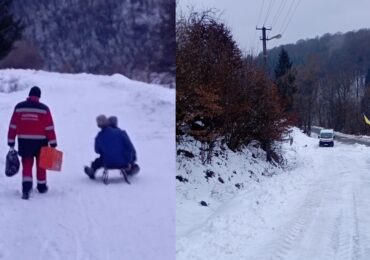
x=319 y=210
x=332 y=221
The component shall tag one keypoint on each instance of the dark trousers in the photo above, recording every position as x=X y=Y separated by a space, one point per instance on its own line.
x=97 y=164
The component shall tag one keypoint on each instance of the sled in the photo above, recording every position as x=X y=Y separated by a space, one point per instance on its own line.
x=123 y=172
x=51 y=159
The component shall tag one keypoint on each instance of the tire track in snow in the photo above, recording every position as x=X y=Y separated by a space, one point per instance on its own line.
x=341 y=239
x=343 y=231
x=339 y=246
x=363 y=213
x=346 y=239
x=362 y=207
x=330 y=224
x=297 y=228
x=306 y=234
x=335 y=239
x=356 y=234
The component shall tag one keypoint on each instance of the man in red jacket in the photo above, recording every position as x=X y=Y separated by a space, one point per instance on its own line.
x=33 y=124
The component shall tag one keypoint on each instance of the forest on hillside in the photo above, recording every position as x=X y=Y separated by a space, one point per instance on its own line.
x=333 y=80
x=134 y=38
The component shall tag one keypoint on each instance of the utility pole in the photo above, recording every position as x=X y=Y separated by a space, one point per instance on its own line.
x=264 y=39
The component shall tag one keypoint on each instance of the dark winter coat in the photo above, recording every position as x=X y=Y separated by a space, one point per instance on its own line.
x=131 y=149
x=33 y=124
x=114 y=147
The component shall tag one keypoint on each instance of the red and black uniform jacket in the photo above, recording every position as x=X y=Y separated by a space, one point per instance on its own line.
x=33 y=124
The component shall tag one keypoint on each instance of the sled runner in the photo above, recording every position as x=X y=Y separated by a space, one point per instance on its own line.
x=125 y=172
x=122 y=171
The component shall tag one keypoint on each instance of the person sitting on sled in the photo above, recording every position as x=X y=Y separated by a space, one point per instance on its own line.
x=134 y=167
x=115 y=149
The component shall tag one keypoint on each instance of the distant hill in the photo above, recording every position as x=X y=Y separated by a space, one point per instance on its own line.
x=134 y=38
x=349 y=50
x=333 y=80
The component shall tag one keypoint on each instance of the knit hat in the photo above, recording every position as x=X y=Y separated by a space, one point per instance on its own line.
x=113 y=121
x=102 y=121
x=35 y=92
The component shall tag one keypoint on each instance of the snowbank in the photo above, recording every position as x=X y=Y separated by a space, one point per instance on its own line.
x=12 y=83
x=240 y=208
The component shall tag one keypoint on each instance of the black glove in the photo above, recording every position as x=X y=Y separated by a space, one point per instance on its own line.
x=11 y=145
x=53 y=145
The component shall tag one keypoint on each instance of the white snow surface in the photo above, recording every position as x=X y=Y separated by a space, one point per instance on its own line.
x=316 y=207
x=79 y=218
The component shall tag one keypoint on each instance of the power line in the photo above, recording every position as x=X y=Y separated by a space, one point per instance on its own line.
x=272 y=11
x=272 y=2
x=279 y=12
x=299 y=1
x=285 y=20
x=258 y=20
x=259 y=16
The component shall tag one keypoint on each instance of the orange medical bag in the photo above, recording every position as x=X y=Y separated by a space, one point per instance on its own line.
x=51 y=159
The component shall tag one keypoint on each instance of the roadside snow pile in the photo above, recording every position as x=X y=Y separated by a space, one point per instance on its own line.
x=239 y=184
x=11 y=83
x=213 y=184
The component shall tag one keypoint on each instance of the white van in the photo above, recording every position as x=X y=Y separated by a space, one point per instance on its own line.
x=326 y=137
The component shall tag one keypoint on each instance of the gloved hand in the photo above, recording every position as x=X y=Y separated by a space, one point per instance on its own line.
x=11 y=146
x=54 y=145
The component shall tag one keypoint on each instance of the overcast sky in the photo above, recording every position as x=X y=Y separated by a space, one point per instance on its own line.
x=308 y=18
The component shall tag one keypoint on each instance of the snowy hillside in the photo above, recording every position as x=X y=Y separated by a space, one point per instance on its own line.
x=227 y=175
x=94 y=41
x=79 y=218
x=317 y=208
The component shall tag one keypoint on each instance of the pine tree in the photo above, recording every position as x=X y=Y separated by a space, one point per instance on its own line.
x=285 y=77
x=10 y=29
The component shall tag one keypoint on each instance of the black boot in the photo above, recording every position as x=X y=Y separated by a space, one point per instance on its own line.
x=89 y=172
x=25 y=195
x=26 y=188
x=42 y=187
x=134 y=169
